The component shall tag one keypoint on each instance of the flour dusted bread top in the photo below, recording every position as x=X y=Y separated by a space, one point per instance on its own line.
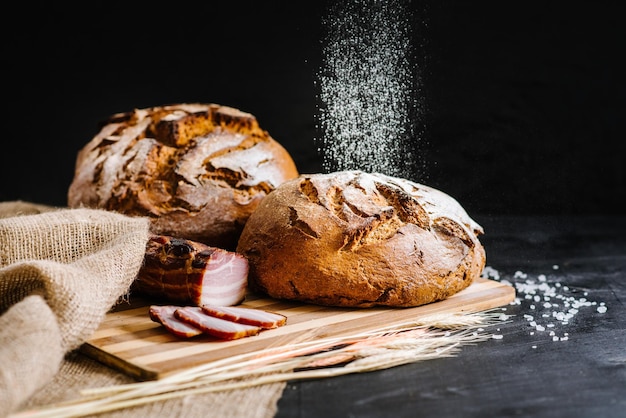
x=197 y=170
x=357 y=239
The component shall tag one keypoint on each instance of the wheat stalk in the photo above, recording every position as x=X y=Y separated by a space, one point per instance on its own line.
x=436 y=336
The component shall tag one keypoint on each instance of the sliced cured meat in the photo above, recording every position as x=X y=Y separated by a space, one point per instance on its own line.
x=191 y=273
x=165 y=316
x=217 y=327
x=250 y=316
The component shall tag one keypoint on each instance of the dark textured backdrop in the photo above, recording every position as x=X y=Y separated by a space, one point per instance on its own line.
x=525 y=101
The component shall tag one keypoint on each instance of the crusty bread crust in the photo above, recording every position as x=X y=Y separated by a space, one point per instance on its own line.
x=197 y=170
x=354 y=239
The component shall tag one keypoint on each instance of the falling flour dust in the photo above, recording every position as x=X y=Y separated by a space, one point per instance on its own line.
x=369 y=83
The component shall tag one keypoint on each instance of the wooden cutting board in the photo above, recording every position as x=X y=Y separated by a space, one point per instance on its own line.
x=129 y=341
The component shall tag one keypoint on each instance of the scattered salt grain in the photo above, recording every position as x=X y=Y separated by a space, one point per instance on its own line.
x=490 y=273
x=497 y=336
x=552 y=302
x=519 y=275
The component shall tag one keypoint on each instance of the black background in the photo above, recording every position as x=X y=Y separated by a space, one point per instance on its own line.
x=524 y=101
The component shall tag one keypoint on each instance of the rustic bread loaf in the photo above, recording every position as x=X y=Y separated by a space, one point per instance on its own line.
x=355 y=239
x=197 y=170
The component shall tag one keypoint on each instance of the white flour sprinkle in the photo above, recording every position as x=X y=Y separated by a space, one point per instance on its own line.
x=556 y=303
x=369 y=88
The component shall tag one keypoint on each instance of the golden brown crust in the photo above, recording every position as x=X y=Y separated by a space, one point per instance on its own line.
x=355 y=239
x=197 y=170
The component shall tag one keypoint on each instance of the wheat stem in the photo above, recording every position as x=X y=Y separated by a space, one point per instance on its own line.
x=436 y=336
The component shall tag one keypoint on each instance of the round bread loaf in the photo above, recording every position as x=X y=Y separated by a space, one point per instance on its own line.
x=355 y=239
x=197 y=170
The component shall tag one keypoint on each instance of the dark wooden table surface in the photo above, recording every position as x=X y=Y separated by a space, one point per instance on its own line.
x=547 y=366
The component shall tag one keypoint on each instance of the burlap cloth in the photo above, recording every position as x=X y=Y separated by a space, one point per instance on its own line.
x=61 y=270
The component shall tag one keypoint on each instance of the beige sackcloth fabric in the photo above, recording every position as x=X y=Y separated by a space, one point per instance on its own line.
x=61 y=270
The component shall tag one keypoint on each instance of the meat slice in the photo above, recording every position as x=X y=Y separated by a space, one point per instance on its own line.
x=250 y=316
x=217 y=327
x=191 y=273
x=165 y=316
